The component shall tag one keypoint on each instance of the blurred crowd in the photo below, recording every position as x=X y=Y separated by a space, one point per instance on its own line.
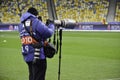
x=79 y=10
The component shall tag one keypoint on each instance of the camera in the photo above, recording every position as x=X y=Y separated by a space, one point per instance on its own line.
x=36 y=54
x=65 y=22
x=62 y=23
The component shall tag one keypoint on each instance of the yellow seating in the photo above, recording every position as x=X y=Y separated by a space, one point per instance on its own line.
x=84 y=8
x=117 y=15
x=80 y=10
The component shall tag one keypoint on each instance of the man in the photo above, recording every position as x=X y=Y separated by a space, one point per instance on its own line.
x=33 y=31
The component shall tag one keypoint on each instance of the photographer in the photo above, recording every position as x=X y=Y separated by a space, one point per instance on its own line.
x=33 y=31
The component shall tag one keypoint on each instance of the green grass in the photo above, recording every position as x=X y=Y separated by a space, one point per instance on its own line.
x=85 y=56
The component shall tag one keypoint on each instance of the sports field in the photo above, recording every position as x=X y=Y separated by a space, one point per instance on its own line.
x=85 y=56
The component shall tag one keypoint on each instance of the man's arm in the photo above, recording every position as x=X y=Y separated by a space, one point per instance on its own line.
x=45 y=31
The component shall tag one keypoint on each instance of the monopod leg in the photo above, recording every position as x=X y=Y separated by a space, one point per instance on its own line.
x=60 y=35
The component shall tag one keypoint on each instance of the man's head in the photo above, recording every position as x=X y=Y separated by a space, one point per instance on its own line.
x=33 y=11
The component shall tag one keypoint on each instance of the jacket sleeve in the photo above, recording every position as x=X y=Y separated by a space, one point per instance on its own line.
x=45 y=31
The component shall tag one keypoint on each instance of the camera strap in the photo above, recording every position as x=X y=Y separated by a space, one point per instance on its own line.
x=31 y=30
x=36 y=43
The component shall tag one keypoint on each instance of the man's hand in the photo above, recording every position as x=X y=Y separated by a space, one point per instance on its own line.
x=48 y=21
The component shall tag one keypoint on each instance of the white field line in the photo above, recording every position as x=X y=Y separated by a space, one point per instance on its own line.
x=112 y=79
x=92 y=30
x=78 y=30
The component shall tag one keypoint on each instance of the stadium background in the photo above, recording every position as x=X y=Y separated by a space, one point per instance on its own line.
x=91 y=12
x=85 y=55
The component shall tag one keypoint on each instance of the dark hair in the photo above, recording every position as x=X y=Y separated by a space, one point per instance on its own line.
x=40 y=18
x=33 y=11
